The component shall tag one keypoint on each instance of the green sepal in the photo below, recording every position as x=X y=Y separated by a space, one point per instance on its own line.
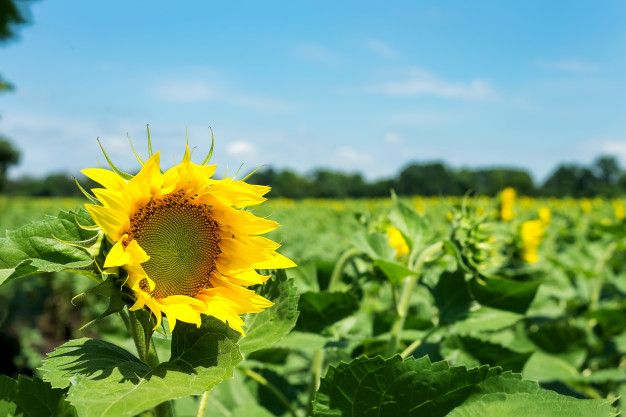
x=208 y=157
x=91 y=198
x=112 y=289
x=122 y=174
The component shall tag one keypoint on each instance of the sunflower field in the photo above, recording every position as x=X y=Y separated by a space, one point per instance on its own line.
x=472 y=306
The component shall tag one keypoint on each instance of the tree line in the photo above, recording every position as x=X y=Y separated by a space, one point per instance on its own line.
x=604 y=178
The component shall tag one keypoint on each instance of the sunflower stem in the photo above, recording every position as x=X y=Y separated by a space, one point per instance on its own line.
x=405 y=297
x=335 y=277
x=267 y=384
x=203 y=402
x=318 y=365
x=147 y=354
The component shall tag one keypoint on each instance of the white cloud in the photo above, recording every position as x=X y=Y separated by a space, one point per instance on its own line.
x=616 y=148
x=393 y=137
x=420 y=82
x=569 y=65
x=382 y=48
x=198 y=91
x=313 y=52
x=240 y=149
x=352 y=156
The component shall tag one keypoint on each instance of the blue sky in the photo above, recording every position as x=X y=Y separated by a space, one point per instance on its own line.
x=352 y=85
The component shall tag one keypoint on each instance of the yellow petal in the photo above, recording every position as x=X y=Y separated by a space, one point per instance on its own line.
x=136 y=252
x=112 y=222
x=149 y=180
x=117 y=255
x=108 y=179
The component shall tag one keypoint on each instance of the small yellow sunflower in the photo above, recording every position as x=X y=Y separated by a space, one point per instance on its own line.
x=186 y=244
x=396 y=241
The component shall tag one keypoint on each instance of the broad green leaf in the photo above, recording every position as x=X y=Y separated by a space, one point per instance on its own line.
x=544 y=367
x=302 y=342
x=503 y=293
x=508 y=395
x=33 y=249
x=393 y=387
x=486 y=319
x=271 y=325
x=409 y=222
x=374 y=245
x=393 y=270
x=32 y=397
x=8 y=391
x=558 y=336
x=319 y=310
x=109 y=381
x=416 y=387
x=452 y=296
x=543 y=404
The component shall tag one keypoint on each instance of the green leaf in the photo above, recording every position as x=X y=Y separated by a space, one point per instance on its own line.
x=486 y=319
x=111 y=289
x=393 y=387
x=508 y=395
x=544 y=367
x=109 y=381
x=319 y=310
x=374 y=245
x=505 y=294
x=452 y=296
x=416 y=387
x=32 y=397
x=409 y=222
x=393 y=270
x=32 y=249
x=265 y=328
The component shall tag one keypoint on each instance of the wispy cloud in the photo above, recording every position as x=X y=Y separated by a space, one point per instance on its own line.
x=614 y=147
x=200 y=91
x=313 y=52
x=424 y=118
x=393 y=137
x=352 y=156
x=420 y=82
x=568 y=65
x=241 y=149
x=382 y=49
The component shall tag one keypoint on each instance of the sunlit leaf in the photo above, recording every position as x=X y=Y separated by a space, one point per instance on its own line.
x=109 y=381
x=272 y=324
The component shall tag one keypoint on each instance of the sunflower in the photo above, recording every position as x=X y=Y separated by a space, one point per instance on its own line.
x=186 y=244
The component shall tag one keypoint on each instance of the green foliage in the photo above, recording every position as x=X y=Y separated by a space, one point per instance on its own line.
x=559 y=321
x=265 y=328
x=106 y=380
x=417 y=387
x=32 y=398
x=34 y=249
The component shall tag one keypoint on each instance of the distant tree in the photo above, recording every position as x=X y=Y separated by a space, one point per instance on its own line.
x=430 y=179
x=607 y=171
x=9 y=155
x=12 y=14
x=284 y=183
x=571 y=180
x=492 y=181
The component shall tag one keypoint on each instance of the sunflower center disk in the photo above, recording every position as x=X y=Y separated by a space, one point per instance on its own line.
x=181 y=238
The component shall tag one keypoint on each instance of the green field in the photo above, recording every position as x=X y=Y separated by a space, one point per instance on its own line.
x=541 y=294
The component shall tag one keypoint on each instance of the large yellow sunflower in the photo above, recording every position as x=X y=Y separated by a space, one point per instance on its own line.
x=186 y=244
